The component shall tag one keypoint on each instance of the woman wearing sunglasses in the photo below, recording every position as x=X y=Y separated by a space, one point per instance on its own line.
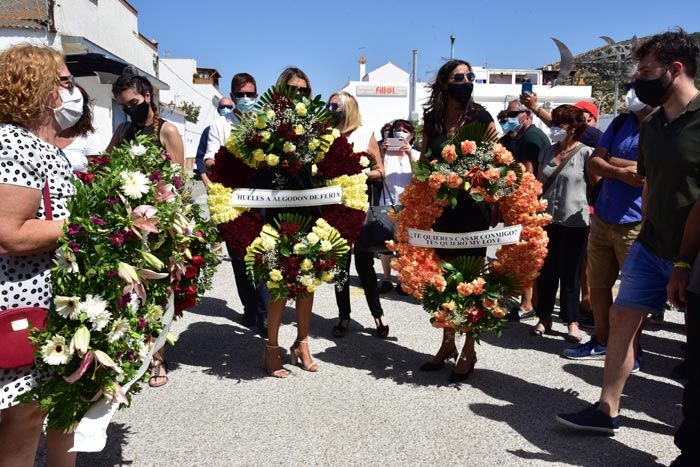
x=451 y=106
x=346 y=117
x=295 y=78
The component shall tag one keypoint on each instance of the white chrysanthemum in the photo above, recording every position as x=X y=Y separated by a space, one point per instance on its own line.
x=364 y=162
x=56 y=351
x=138 y=150
x=134 y=184
x=144 y=350
x=67 y=307
x=306 y=280
x=119 y=329
x=96 y=311
x=134 y=303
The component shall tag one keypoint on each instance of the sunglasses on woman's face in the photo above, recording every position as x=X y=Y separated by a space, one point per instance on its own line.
x=250 y=95
x=67 y=82
x=225 y=107
x=304 y=91
x=462 y=77
x=332 y=107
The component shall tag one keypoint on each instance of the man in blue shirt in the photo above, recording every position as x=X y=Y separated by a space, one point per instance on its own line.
x=617 y=220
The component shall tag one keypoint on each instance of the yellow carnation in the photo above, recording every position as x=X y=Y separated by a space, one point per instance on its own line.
x=300 y=109
x=335 y=133
x=270 y=113
x=312 y=238
x=260 y=122
x=327 y=276
x=307 y=265
x=289 y=147
x=326 y=246
x=259 y=155
x=313 y=144
x=265 y=136
x=299 y=130
x=272 y=160
x=276 y=275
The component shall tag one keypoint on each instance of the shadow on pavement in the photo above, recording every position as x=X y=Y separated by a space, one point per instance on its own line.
x=659 y=400
x=117 y=434
x=530 y=411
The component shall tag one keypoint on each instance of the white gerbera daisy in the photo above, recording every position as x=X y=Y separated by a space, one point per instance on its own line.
x=154 y=313
x=67 y=307
x=66 y=261
x=134 y=184
x=56 y=351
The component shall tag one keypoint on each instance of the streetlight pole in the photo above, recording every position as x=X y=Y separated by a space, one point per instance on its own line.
x=617 y=79
x=452 y=47
x=412 y=114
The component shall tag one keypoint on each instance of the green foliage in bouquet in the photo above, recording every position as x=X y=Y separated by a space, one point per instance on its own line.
x=134 y=237
x=294 y=256
x=473 y=162
x=470 y=297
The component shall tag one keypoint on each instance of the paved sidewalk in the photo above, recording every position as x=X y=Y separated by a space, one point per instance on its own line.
x=369 y=405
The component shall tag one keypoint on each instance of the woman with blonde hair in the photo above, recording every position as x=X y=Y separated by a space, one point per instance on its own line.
x=347 y=120
x=296 y=78
x=35 y=185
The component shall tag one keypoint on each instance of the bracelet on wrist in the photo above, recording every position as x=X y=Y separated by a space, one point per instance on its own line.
x=682 y=265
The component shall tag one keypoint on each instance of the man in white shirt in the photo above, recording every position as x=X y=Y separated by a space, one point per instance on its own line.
x=244 y=91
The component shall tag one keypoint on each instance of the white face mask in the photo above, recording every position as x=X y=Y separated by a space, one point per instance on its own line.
x=71 y=109
x=633 y=103
x=402 y=134
x=557 y=134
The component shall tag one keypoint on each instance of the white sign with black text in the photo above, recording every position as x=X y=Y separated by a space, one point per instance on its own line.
x=255 y=198
x=481 y=239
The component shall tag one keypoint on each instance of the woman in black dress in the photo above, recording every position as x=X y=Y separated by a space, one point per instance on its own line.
x=450 y=107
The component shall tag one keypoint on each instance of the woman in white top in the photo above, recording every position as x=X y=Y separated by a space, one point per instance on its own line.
x=398 y=165
x=80 y=141
x=346 y=115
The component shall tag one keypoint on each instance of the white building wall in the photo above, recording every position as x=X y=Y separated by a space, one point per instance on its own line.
x=178 y=73
x=10 y=37
x=109 y=24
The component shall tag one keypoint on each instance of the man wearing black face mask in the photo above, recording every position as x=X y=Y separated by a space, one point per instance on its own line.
x=669 y=158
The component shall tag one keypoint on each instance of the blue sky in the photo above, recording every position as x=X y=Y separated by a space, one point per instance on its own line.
x=326 y=38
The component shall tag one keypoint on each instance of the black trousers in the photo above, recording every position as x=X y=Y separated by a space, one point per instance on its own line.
x=562 y=270
x=687 y=438
x=254 y=298
x=364 y=265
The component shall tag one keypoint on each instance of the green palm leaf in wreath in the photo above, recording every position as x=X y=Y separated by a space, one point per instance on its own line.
x=479 y=132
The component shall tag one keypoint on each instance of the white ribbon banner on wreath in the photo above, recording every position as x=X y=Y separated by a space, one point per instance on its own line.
x=255 y=198
x=91 y=434
x=481 y=239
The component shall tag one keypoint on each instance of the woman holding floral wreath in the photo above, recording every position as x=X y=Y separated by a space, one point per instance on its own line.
x=34 y=86
x=451 y=106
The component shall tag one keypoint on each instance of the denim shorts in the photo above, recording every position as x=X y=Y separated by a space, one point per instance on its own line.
x=644 y=280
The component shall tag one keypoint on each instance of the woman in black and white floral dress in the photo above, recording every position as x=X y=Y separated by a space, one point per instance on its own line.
x=34 y=84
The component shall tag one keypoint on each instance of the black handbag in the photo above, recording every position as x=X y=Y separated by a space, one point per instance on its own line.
x=378 y=228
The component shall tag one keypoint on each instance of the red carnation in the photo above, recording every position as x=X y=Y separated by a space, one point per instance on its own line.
x=340 y=160
x=191 y=271
x=198 y=261
x=288 y=229
x=85 y=177
x=291 y=166
x=283 y=128
x=230 y=171
x=240 y=232
x=348 y=221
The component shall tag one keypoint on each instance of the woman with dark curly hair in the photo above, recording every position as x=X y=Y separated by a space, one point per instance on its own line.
x=450 y=107
x=563 y=176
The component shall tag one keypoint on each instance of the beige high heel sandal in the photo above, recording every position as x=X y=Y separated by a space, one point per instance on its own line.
x=280 y=373
x=298 y=360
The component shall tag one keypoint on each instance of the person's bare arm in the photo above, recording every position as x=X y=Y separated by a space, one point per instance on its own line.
x=530 y=101
x=116 y=138
x=690 y=246
x=378 y=171
x=20 y=232
x=598 y=167
x=173 y=143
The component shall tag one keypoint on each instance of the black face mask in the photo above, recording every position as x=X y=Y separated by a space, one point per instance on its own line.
x=138 y=112
x=651 y=91
x=338 y=117
x=461 y=92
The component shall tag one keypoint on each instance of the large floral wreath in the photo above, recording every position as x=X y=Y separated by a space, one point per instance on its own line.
x=467 y=293
x=134 y=239
x=289 y=134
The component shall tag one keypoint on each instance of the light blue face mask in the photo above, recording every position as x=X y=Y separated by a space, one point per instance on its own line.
x=245 y=104
x=225 y=111
x=512 y=124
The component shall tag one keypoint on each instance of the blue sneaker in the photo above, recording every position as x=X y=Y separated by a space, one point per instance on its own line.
x=591 y=350
x=590 y=419
x=636 y=367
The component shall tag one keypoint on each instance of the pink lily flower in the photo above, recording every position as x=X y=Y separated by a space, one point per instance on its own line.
x=149 y=274
x=84 y=365
x=144 y=217
x=166 y=192
x=116 y=393
x=137 y=288
x=176 y=270
x=107 y=361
